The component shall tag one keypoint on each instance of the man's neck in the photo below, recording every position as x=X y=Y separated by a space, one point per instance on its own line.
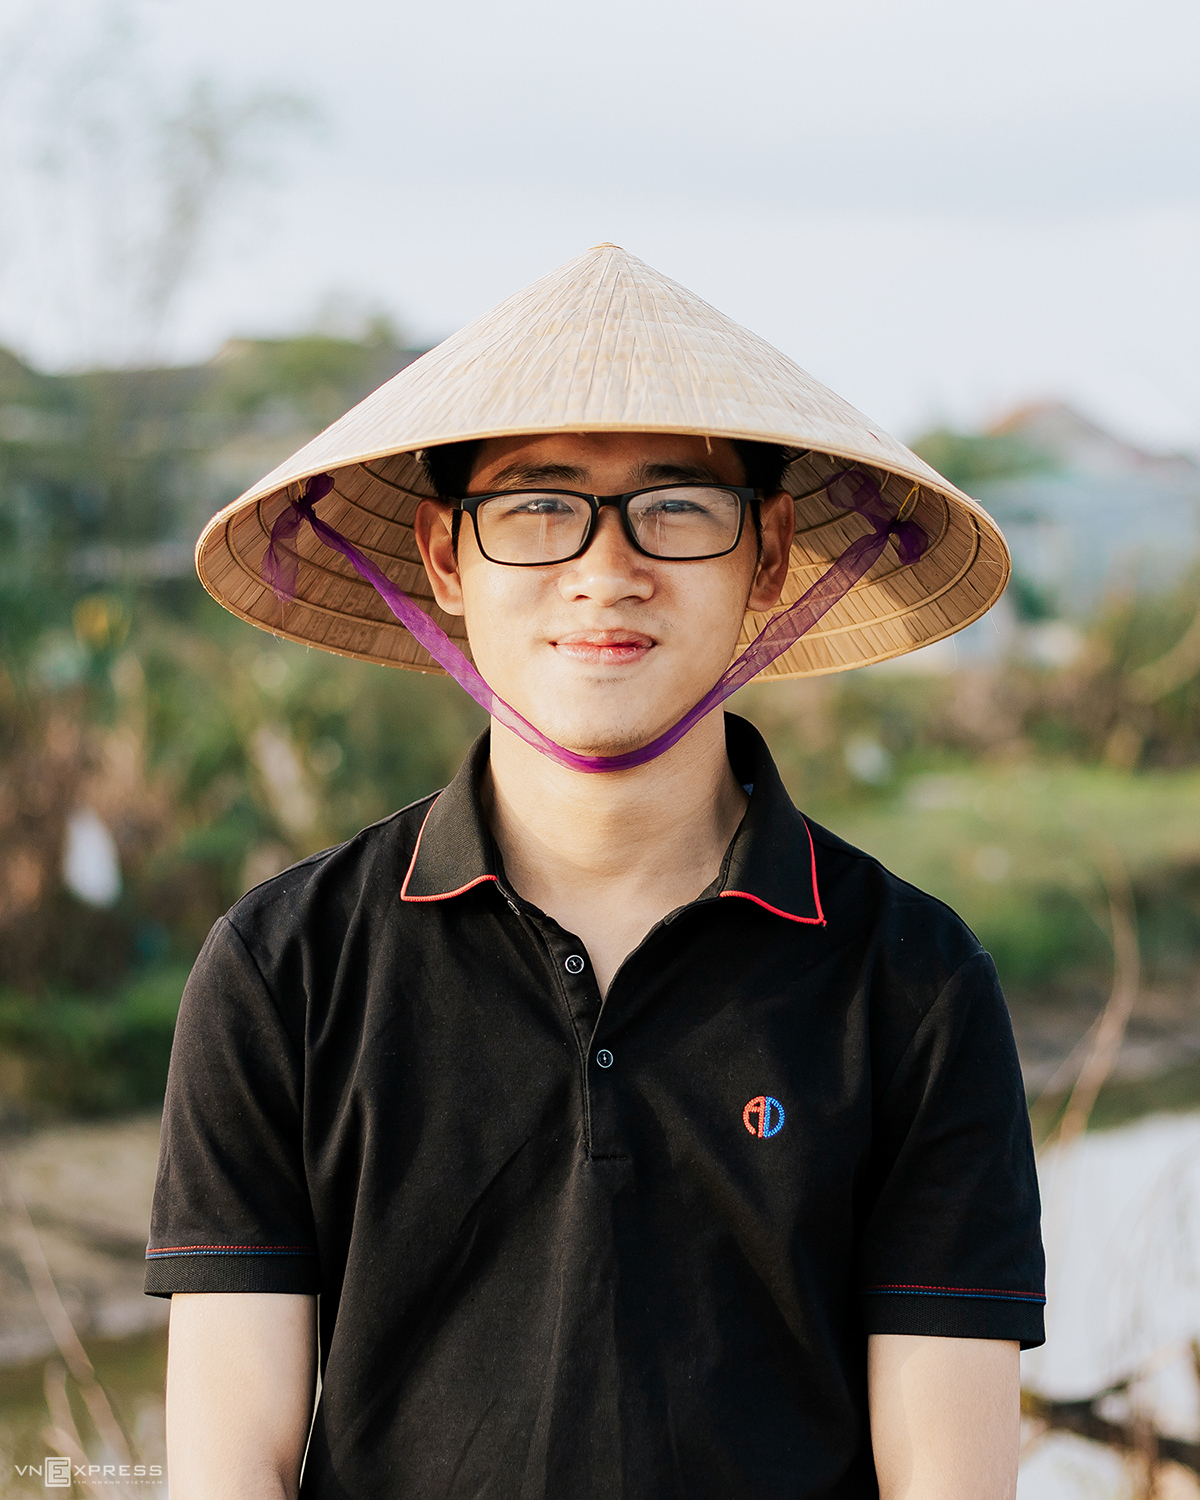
x=609 y=855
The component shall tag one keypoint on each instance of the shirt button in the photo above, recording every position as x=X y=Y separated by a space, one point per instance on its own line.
x=604 y=1058
x=574 y=964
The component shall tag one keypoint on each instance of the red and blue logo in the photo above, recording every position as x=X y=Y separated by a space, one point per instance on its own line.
x=763 y=1116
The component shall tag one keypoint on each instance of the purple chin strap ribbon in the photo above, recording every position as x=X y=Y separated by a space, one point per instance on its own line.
x=849 y=490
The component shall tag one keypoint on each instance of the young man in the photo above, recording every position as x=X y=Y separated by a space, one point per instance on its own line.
x=638 y=1137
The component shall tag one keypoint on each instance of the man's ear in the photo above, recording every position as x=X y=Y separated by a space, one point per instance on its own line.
x=433 y=528
x=778 y=519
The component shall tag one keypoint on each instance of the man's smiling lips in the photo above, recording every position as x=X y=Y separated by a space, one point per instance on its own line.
x=604 y=647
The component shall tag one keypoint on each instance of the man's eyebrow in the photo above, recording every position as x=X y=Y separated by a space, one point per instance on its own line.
x=519 y=475
x=671 y=473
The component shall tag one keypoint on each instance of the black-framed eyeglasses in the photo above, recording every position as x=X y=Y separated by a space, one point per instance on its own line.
x=673 y=522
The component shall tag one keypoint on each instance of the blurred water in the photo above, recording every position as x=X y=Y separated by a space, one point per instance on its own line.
x=1122 y=1228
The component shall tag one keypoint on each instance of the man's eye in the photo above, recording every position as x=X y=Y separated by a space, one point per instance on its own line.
x=540 y=505
x=675 y=506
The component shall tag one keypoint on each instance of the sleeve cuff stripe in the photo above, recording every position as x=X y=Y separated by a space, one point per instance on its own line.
x=987 y=1294
x=229 y=1250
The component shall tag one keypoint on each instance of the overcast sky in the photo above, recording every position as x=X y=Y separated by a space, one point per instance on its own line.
x=941 y=209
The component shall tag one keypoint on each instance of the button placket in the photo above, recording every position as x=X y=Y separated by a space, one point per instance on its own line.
x=581 y=994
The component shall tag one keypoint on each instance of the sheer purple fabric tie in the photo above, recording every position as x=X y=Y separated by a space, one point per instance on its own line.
x=849 y=490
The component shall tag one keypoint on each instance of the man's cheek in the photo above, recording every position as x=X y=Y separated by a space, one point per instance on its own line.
x=502 y=642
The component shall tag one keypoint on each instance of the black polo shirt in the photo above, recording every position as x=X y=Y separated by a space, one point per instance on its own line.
x=568 y=1248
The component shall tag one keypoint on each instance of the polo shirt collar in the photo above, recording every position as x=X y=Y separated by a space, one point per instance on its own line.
x=771 y=860
x=454 y=851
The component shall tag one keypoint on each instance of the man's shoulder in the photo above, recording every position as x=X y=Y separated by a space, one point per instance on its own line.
x=366 y=870
x=914 y=928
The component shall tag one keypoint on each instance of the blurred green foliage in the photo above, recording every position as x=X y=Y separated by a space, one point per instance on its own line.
x=83 y=1055
x=967 y=458
x=214 y=754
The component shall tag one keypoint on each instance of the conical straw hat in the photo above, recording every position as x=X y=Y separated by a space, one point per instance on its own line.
x=604 y=344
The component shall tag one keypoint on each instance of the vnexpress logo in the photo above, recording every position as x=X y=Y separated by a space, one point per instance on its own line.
x=56 y=1473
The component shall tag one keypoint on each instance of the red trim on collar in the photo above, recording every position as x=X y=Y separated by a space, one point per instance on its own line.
x=440 y=895
x=819 y=919
x=758 y=901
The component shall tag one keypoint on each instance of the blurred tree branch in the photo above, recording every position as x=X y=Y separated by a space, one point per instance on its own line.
x=1136 y=1435
x=1102 y=1055
x=1091 y=1061
x=202 y=148
x=58 y=1321
x=113 y=185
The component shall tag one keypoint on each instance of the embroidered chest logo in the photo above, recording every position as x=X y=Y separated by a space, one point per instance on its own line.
x=763 y=1116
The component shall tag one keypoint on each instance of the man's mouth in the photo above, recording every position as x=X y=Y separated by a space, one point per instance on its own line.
x=604 y=647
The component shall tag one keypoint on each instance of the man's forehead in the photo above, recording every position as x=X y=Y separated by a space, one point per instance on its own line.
x=641 y=456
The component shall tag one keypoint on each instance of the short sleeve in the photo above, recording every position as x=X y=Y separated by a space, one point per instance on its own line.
x=952 y=1240
x=231 y=1207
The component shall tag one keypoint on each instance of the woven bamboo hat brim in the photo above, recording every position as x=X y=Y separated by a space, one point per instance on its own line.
x=604 y=344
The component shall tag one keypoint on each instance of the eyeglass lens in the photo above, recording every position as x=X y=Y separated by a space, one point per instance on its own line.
x=536 y=526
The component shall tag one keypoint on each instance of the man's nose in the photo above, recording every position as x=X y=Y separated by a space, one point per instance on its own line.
x=611 y=569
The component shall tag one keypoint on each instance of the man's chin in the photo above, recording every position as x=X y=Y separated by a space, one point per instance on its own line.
x=587 y=735
x=607 y=741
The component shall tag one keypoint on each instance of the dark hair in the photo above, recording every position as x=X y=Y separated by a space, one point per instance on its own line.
x=764 y=463
x=449 y=465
